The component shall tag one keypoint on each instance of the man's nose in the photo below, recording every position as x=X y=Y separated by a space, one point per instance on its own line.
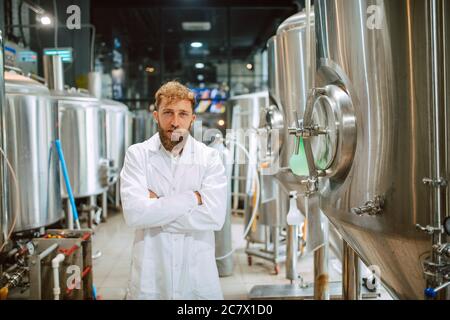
x=175 y=121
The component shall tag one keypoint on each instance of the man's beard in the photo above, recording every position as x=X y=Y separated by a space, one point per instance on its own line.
x=172 y=145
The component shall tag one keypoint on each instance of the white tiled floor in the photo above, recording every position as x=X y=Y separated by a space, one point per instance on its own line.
x=114 y=239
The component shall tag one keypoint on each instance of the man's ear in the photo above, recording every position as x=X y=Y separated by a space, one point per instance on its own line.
x=192 y=122
x=155 y=116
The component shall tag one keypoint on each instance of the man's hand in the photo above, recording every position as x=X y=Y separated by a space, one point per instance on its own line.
x=199 y=198
x=152 y=195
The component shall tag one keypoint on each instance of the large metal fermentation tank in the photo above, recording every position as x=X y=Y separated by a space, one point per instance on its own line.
x=144 y=127
x=116 y=132
x=31 y=130
x=384 y=103
x=288 y=67
x=82 y=125
x=248 y=114
x=128 y=130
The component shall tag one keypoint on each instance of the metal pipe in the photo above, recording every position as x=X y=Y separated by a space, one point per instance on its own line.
x=437 y=237
x=309 y=48
x=69 y=215
x=117 y=193
x=321 y=276
x=105 y=205
x=54 y=72
x=292 y=253
x=47 y=251
x=276 y=241
x=350 y=274
x=93 y=204
x=3 y=188
x=95 y=84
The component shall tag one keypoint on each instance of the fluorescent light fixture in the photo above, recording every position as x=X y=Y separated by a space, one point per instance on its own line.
x=196 y=44
x=45 y=20
x=200 y=77
x=150 y=69
x=249 y=66
x=196 y=26
x=199 y=65
x=65 y=53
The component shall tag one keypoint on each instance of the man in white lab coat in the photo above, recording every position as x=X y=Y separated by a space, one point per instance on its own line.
x=173 y=191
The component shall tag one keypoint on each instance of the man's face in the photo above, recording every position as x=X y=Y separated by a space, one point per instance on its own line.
x=174 y=121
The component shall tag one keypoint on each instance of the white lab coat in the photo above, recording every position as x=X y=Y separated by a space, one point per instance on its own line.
x=173 y=253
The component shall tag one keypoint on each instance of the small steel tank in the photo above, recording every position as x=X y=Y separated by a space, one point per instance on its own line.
x=82 y=131
x=31 y=129
x=143 y=125
x=82 y=125
x=116 y=133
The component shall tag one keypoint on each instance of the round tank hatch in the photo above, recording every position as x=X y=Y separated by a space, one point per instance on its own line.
x=330 y=116
x=324 y=146
x=272 y=137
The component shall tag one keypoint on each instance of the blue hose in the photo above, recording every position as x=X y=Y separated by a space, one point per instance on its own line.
x=94 y=292
x=66 y=180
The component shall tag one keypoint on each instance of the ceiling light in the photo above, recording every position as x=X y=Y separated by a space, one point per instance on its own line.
x=249 y=66
x=221 y=123
x=150 y=69
x=199 y=65
x=196 y=26
x=196 y=44
x=45 y=20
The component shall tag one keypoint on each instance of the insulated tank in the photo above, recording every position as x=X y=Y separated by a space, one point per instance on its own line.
x=82 y=125
x=382 y=97
x=288 y=92
x=116 y=133
x=144 y=127
x=82 y=131
x=31 y=120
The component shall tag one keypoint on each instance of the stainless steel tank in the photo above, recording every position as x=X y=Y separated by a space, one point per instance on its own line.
x=143 y=125
x=288 y=90
x=82 y=125
x=381 y=96
x=31 y=130
x=290 y=68
x=116 y=133
x=82 y=130
x=248 y=111
x=128 y=130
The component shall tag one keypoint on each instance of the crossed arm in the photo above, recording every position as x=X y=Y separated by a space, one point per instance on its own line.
x=187 y=211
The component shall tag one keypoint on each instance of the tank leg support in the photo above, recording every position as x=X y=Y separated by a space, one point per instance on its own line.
x=105 y=205
x=93 y=205
x=350 y=274
x=69 y=215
